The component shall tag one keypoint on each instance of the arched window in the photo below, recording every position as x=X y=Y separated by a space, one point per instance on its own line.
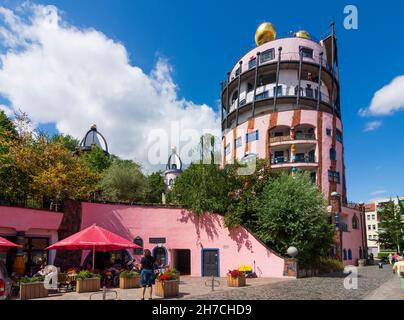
x=349 y=254
x=333 y=154
x=344 y=252
x=139 y=241
x=355 y=224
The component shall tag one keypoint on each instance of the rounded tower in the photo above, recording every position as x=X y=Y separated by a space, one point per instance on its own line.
x=281 y=102
x=93 y=137
x=173 y=168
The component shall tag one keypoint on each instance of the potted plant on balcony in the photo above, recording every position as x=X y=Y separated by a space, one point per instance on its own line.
x=167 y=285
x=129 y=280
x=236 y=278
x=88 y=282
x=32 y=288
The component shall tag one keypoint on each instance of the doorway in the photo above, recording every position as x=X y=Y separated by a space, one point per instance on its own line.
x=160 y=254
x=210 y=263
x=182 y=260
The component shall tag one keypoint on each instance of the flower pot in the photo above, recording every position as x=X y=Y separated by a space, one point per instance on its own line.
x=235 y=281
x=88 y=285
x=129 y=283
x=361 y=262
x=33 y=290
x=167 y=288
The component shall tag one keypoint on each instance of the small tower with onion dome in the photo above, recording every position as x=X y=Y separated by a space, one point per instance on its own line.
x=173 y=168
x=93 y=137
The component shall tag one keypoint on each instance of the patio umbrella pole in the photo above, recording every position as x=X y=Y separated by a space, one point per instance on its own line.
x=93 y=257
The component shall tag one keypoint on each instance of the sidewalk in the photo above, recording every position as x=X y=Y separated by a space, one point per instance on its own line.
x=388 y=291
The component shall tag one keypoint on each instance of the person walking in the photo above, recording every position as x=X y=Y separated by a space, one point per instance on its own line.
x=398 y=268
x=390 y=257
x=147 y=276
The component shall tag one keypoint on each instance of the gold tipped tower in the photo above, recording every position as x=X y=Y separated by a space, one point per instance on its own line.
x=302 y=34
x=266 y=32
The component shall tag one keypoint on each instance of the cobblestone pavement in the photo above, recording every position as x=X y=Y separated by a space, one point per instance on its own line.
x=390 y=290
x=189 y=287
x=317 y=288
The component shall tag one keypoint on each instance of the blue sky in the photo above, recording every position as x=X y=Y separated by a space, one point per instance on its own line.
x=202 y=40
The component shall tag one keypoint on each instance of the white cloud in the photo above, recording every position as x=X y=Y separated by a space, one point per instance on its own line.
x=372 y=125
x=75 y=77
x=377 y=192
x=387 y=100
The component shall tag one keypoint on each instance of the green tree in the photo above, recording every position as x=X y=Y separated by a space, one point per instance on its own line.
x=292 y=212
x=202 y=188
x=6 y=125
x=154 y=188
x=391 y=226
x=245 y=194
x=68 y=141
x=123 y=181
x=97 y=159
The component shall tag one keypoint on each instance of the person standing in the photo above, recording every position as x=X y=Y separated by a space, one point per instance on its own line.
x=147 y=276
x=390 y=257
x=398 y=268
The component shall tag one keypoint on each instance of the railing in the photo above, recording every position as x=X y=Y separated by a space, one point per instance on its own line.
x=268 y=91
x=279 y=160
x=285 y=56
x=305 y=136
x=280 y=139
x=300 y=159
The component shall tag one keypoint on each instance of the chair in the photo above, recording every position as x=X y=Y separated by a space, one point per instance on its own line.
x=64 y=282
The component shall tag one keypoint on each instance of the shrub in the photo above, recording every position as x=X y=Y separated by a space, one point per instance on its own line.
x=87 y=275
x=383 y=255
x=129 y=274
x=327 y=265
x=32 y=279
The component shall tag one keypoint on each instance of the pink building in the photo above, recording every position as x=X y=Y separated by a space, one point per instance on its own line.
x=281 y=102
x=199 y=246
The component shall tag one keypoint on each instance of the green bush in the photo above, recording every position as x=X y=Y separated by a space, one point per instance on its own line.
x=328 y=265
x=87 y=275
x=32 y=279
x=382 y=255
x=129 y=274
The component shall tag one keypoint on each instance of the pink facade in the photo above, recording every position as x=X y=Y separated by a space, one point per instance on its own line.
x=30 y=222
x=183 y=230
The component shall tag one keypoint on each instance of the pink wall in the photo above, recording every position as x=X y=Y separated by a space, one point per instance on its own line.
x=183 y=230
x=353 y=238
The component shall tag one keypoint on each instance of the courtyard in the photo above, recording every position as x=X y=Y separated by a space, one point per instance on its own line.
x=373 y=283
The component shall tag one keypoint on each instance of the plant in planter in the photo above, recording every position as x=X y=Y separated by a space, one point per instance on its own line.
x=129 y=279
x=167 y=285
x=236 y=278
x=88 y=282
x=174 y=272
x=32 y=288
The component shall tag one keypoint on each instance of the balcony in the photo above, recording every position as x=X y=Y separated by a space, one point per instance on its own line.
x=305 y=136
x=280 y=139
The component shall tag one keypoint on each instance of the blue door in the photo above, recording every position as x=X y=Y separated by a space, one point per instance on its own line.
x=210 y=263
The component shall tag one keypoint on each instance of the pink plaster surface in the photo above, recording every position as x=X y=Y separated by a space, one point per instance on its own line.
x=21 y=219
x=183 y=230
x=353 y=238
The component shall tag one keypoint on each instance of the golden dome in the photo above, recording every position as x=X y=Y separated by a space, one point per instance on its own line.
x=302 y=34
x=93 y=126
x=266 y=32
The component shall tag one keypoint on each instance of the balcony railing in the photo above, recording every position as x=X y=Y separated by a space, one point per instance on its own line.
x=298 y=159
x=268 y=91
x=280 y=139
x=305 y=136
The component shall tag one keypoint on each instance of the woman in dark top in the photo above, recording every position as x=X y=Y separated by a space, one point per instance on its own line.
x=147 y=276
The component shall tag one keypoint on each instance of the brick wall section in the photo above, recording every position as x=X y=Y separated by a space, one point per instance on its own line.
x=234 y=151
x=297 y=114
x=70 y=225
x=333 y=185
x=250 y=126
x=320 y=149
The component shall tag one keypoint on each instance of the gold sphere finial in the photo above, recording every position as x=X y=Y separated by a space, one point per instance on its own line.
x=302 y=34
x=93 y=126
x=266 y=32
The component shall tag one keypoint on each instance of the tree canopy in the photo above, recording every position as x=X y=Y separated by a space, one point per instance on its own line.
x=391 y=226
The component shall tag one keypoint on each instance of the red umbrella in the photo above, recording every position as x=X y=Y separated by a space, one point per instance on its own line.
x=6 y=245
x=93 y=238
